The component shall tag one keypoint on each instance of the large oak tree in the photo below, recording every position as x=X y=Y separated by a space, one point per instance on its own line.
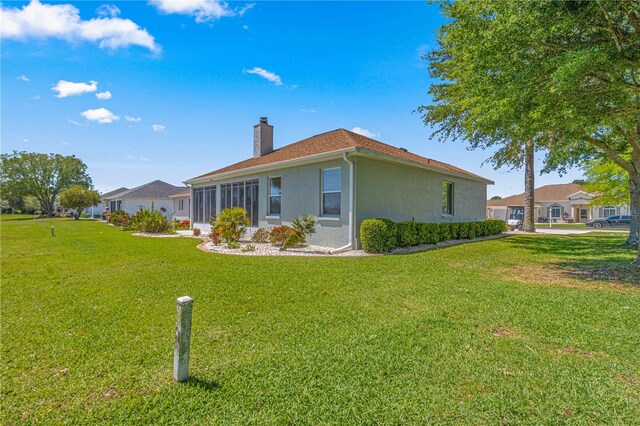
x=563 y=73
x=43 y=176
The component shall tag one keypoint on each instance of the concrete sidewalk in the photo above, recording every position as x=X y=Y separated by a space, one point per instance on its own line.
x=556 y=231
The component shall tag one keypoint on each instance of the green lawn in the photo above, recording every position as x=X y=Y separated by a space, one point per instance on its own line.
x=525 y=329
x=574 y=226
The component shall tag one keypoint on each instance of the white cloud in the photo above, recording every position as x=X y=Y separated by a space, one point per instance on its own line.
x=245 y=27
x=62 y=21
x=365 y=132
x=100 y=115
x=143 y=159
x=132 y=119
x=65 y=143
x=272 y=77
x=110 y=10
x=68 y=88
x=22 y=78
x=203 y=10
x=158 y=128
x=74 y=122
x=103 y=95
x=25 y=140
x=307 y=110
x=35 y=97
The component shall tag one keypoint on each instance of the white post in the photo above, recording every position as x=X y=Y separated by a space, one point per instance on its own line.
x=183 y=337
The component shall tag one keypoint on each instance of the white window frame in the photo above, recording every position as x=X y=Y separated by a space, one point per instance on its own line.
x=555 y=206
x=452 y=185
x=322 y=192
x=269 y=196
x=181 y=204
x=606 y=211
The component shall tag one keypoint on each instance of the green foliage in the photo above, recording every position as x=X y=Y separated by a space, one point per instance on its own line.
x=150 y=220
x=305 y=225
x=383 y=235
x=261 y=235
x=31 y=204
x=232 y=223
x=121 y=219
x=249 y=247
x=43 y=176
x=285 y=237
x=378 y=235
x=609 y=181
x=78 y=197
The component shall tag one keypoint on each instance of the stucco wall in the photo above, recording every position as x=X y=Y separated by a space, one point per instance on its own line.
x=300 y=195
x=132 y=205
x=402 y=193
x=180 y=214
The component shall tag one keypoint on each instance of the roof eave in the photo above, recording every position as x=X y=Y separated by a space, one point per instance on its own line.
x=377 y=155
x=271 y=166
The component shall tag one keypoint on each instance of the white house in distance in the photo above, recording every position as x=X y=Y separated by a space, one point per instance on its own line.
x=341 y=178
x=153 y=194
x=566 y=202
x=181 y=204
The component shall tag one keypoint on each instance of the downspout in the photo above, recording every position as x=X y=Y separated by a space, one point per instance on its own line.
x=349 y=246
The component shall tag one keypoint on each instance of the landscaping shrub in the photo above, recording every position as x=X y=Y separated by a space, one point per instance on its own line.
x=285 y=237
x=120 y=218
x=180 y=224
x=248 y=247
x=260 y=236
x=382 y=235
x=407 y=234
x=378 y=235
x=232 y=223
x=216 y=236
x=150 y=220
x=196 y=232
x=305 y=225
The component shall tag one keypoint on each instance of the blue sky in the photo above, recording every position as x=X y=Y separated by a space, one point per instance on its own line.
x=186 y=81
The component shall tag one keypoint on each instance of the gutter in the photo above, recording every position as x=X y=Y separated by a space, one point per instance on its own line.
x=349 y=246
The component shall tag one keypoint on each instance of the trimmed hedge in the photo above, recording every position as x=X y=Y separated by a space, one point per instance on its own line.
x=378 y=235
x=382 y=235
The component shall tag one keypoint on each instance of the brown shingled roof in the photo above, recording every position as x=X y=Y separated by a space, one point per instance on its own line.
x=558 y=192
x=336 y=140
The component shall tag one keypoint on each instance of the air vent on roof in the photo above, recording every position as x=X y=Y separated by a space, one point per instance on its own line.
x=404 y=149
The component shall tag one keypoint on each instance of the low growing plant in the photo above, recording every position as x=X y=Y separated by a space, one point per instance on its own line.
x=260 y=236
x=285 y=237
x=305 y=225
x=215 y=236
x=249 y=247
x=232 y=223
x=150 y=220
x=196 y=232
x=120 y=218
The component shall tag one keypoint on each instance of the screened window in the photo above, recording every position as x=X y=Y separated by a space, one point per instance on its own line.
x=608 y=211
x=204 y=204
x=275 y=196
x=556 y=212
x=181 y=205
x=447 y=198
x=241 y=194
x=331 y=195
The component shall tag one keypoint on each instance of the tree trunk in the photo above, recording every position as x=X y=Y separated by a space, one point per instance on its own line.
x=529 y=184
x=634 y=227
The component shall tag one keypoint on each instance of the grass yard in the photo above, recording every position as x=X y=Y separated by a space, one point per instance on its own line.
x=526 y=329
x=575 y=226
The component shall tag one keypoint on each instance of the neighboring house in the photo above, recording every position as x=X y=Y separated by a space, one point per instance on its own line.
x=106 y=199
x=341 y=178
x=153 y=194
x=181 y=204
x=559 y=203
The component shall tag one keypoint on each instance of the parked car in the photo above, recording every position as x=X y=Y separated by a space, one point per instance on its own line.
x=611 y=221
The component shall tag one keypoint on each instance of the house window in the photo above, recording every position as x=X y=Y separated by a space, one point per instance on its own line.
x=447 y=198
x=275 y=196
x=583 y=214
x=115 y=205
x=180 y=205
x=241 y=194
x=608 y=211
x=331 y=192
x=556 y=212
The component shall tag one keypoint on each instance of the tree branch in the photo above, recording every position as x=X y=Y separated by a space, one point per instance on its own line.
x=611 y=153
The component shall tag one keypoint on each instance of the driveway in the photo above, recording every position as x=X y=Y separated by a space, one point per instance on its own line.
x=556 y=231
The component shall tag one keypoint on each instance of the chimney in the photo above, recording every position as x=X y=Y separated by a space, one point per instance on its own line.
x=262 y=138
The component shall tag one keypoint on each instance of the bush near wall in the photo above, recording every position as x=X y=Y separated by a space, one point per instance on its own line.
x=383 y=235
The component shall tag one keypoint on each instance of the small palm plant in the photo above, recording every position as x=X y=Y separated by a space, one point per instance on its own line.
x=232 y=224
x=305 y=225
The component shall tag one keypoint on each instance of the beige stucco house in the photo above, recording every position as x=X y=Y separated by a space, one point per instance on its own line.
x=567 y=202
x=341 y=178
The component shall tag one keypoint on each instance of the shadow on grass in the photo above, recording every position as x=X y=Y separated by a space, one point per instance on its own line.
x=591 y=258
x=207 y=385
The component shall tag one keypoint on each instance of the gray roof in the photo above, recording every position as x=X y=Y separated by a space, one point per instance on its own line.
x=114 y=192
x=155 y=189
